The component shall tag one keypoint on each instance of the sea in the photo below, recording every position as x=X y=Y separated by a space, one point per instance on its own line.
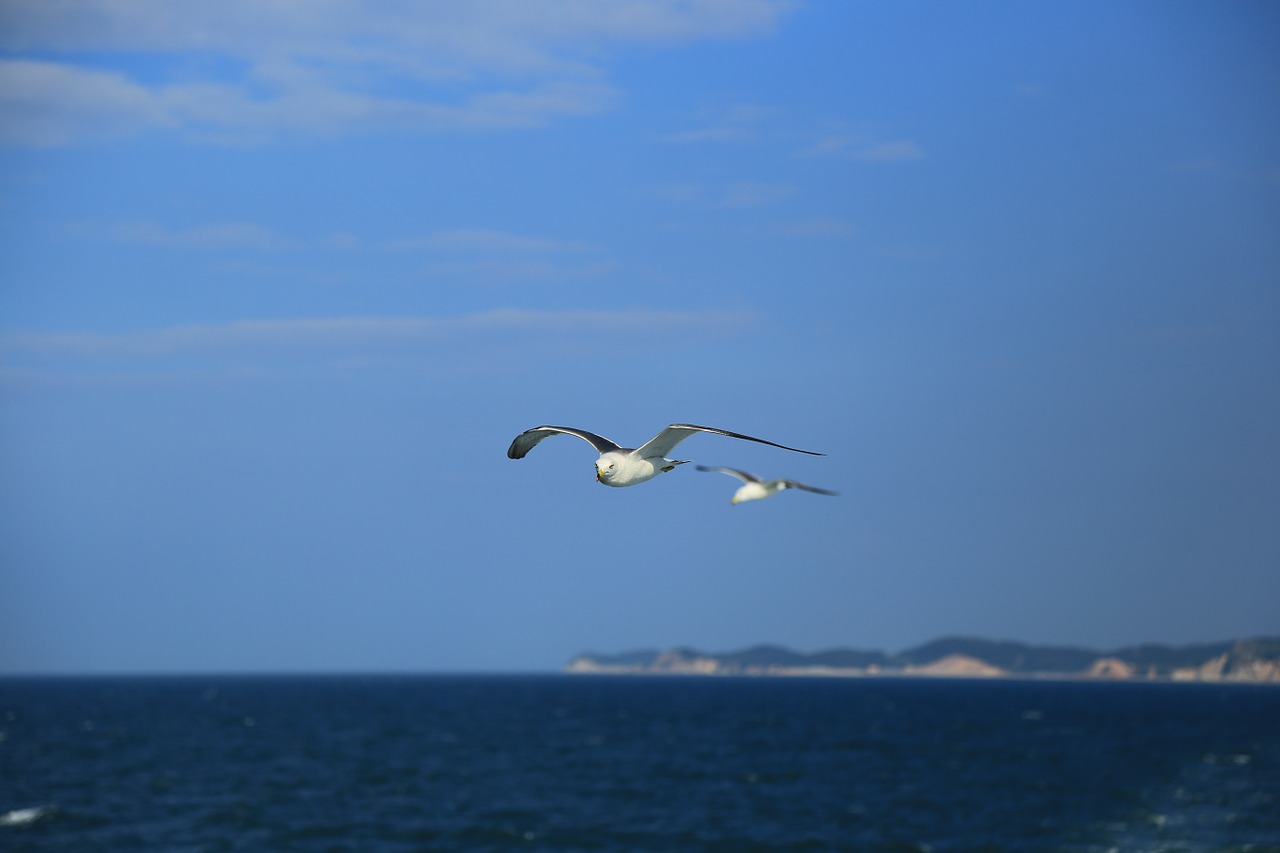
x=622 y=763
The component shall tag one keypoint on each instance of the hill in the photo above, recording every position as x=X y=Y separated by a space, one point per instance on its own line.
x=1254 y=660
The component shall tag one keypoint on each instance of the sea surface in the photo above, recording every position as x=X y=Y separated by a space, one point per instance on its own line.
x=600 y=763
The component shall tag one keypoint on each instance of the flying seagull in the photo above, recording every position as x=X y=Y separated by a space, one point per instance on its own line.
x=622 y=466
x=755 y=489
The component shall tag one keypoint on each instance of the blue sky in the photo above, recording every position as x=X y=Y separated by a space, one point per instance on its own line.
x=280 y=282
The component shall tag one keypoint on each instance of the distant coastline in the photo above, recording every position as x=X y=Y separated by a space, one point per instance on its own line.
x=1252 y=661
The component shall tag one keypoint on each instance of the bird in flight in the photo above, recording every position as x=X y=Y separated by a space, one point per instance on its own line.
x=755 y=489
x=621 y=466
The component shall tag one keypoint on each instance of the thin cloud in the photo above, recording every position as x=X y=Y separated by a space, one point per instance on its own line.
x=283 y=68
x=491 y=257
x=49 y=104
x=498 y=271
x=487 y=241
x=897 y=151
x=754 y=194
x=478 y=33
x=732 y=195
x=235 y=235
x=253 y=347
x=722 y=133
x=247 y=235
x=45 y=103
x=855 y=148
x=465 y=255
x=817 y=228
x=730 y=125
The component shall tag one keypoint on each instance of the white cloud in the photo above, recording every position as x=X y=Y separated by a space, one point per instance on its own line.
x=476 y=28
x=48 y=104
x=754 y=194
x=732 y=195
x=730 y=125
x=817 y=228
x=491 y=257
x=364 y=337
x=236 y=235
x=240 y=70
x=486 y=241
x=44 y=103
x=896 y=151
x=857 y=148
x=499 y=271
x=475 y=255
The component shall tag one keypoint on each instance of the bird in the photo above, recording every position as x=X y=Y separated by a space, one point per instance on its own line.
x=621 y=466
x=756 y=489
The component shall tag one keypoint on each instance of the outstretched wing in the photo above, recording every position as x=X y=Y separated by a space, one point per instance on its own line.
x=662 y=443
x=525 y=441
x=792 y=484
x=732 y=472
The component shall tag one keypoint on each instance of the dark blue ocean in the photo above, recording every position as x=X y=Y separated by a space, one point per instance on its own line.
x=598 y=763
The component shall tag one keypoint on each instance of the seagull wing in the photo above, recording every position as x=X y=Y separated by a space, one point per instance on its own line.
x=662 y=443
x=792 y=484
x=732 y=472
x=525 y=441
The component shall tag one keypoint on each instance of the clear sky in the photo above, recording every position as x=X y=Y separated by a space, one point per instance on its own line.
x=279 y=282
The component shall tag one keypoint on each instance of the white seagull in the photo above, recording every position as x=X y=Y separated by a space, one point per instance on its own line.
x=622 y=466
x=755 y=489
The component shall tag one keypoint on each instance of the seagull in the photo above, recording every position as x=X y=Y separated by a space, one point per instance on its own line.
x=755 y=489
x=622 y=466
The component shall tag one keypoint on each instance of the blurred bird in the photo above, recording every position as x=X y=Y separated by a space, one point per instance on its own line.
x=755 y=489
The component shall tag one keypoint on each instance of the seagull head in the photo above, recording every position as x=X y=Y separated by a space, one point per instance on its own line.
x=605 y=469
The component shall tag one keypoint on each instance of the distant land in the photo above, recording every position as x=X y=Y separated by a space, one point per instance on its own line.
x=1247 y=661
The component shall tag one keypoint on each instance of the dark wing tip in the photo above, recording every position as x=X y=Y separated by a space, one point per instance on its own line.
x=524 y=442
x=726 y=432
x=794 y=485
x=744 y=476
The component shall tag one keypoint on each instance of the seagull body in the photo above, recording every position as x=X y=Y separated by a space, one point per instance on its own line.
x=755 y=489
x=621 y=466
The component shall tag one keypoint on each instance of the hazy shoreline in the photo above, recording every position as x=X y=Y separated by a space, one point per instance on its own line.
x=1251 y=661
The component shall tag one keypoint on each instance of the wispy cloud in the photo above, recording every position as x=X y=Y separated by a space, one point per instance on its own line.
x=491 y=257
x=248 y=235
x=321 y=332
x=816 y=228
x=46 y=103
x=516 y=270
x=728 y=125
x=50 y=104
x=234 y=235
x=858 y=148
x=472 y=255
x=256 y=347
x=243 y=71
x=486 y=241
x=731 y=195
